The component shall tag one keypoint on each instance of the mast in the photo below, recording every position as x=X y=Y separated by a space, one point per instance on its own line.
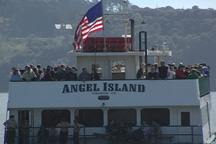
x=104 y=49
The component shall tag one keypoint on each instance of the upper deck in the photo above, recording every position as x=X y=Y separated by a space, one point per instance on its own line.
x=118 y=86
x=107 y=93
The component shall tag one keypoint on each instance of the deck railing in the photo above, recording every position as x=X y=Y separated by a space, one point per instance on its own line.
x=169 y=134
x=204 y=86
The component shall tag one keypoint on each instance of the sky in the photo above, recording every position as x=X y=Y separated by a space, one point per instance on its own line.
x=176 y=4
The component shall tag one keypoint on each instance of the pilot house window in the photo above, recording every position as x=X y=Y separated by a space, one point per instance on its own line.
x=98 y=68
x=118 y=69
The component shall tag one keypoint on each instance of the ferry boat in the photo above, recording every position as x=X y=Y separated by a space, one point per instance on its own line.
x=181 y=107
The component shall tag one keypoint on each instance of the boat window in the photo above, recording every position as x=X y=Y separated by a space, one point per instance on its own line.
x=185 y=118
x=90 y=117
x=53 y=117
x=126 y=115
x=160 y=115
x=118 y=69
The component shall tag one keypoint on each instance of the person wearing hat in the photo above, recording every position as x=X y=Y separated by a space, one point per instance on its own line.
x=193 y=74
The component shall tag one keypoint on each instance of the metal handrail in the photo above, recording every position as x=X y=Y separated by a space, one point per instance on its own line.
x=83 y=135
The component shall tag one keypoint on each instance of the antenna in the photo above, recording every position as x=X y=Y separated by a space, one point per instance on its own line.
x=125 y=20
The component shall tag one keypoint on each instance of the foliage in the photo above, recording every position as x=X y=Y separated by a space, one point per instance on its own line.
x=28 y=34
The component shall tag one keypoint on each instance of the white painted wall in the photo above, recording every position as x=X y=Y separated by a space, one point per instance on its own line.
x=157 y=93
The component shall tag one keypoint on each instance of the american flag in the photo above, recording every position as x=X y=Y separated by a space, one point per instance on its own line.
x=90 y=23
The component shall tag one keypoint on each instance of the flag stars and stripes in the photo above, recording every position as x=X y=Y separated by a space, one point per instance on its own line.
x=91 y=22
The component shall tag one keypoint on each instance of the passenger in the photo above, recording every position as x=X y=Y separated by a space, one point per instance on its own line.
x=172 y=73
x=21 y=71
x=77 y=127
x=128 y=128
x=173 y=64
x=53 y=135
x=25 y=129
x=35 y=70
x=67 y=69
x=52 y=73
x=187 y=71
x=205 y=71
x=11 y=126
x=42 y=134
x=155 y=130
x=122 y=132
x=31 y=66
x=156 y=67
x=111 y=132
x=63 y=136
x=146 y=132
x=43 y=73
x=29 y=75
x=70 y=75
x=13 y=68
x=47 y=75
x=58 y=76
x=180 y=64
x=180 y=72
x=136 y=136
x=94 y=75
x=199 y=70
x=152 y=75
x=149 y=67
x=63 y=72
x=163 y=70
x=39 y=69
x=193 y=74
x=16 y=76
x=48 y=67
x=74 y=70
x=140 y=72
x=84 y=75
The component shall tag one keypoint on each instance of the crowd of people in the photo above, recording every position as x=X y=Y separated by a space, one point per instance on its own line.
x=67 y=73
x=173 y=71
x=122 y=133
x=45 y=136
x=58 y=73
x=115 y=132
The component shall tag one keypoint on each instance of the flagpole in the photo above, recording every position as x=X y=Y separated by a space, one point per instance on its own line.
x=104 y=49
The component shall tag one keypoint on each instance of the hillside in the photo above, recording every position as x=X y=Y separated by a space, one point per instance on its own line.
x=28 y=34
